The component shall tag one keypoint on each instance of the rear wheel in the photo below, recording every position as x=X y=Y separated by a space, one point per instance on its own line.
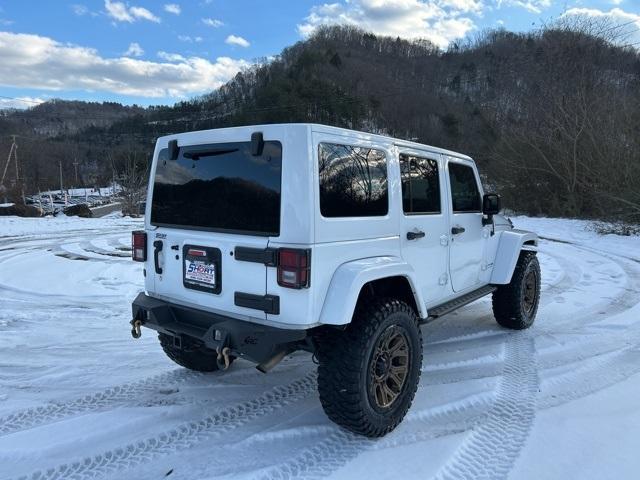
x=193 y=355
x=515 y=305
x=368 y=374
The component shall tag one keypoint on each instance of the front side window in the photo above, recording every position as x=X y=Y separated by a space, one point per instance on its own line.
x=353 y=181
x=465 y=195
x=220 y=187
x=420 y=185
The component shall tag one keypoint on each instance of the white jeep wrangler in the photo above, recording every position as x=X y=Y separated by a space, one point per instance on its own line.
x=263 y=240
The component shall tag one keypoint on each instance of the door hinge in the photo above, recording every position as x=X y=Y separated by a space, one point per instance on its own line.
x=267 y=303
x=267 y=256
x=444 y=279
x=444 y=240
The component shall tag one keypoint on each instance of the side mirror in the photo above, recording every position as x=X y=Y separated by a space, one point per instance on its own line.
x=491 y=204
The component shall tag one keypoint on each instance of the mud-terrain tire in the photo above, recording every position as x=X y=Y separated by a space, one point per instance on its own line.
x=355 y=364
x=192 y=355
x=515 y=305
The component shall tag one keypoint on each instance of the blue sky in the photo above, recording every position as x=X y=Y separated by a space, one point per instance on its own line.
x=147 y=52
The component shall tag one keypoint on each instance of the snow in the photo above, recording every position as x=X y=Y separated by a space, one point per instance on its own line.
x=79 y=398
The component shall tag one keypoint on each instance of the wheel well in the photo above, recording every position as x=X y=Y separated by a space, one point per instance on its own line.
x=532 y=243
x=394 y=287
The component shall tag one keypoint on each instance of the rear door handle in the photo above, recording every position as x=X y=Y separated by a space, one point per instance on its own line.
x=157 y=248
x=457 y=230
x=415 y=235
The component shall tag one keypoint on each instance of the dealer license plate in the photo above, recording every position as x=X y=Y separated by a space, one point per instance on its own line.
x=200 y=273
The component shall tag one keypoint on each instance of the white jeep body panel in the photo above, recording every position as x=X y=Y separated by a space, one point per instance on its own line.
x=350 y=277
x=512 y=242
x=346 y=253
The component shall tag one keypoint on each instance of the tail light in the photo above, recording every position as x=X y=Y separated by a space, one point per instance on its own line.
x=139 y=246
x=294 y=268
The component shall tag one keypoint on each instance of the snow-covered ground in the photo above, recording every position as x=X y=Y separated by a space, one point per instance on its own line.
x=80 y=399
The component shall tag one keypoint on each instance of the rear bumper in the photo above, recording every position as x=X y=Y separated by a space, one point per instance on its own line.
x=257 y=343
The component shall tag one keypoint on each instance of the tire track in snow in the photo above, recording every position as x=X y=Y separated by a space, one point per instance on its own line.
x=615 y=369
x=335 y=451
x=110 y=397
x=56 y=248
x=341 y=446
x=180 y=437
x=503 y=427
x=492 y=448
x=626 y=300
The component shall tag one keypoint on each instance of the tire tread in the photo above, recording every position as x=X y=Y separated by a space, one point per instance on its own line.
x=506 y=301
x=341 y=373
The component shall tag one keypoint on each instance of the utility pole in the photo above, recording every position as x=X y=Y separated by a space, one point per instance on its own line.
x=61 y=191
x=13 y=151
x=75 y=164
x=18 y=182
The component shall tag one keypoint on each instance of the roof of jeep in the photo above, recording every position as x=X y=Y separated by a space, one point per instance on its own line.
x=316 y=127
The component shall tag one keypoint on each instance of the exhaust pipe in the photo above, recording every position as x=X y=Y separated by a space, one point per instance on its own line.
x=264 y=367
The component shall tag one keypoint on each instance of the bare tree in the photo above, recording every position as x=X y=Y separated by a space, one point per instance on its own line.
x=131 y=175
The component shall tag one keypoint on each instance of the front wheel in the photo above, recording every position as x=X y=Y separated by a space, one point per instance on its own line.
x=515 y=305
x=368 y=374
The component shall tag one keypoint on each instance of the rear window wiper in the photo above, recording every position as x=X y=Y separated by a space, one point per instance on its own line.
x=197 y=154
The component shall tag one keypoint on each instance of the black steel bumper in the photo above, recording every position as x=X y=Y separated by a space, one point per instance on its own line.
x=255 y=342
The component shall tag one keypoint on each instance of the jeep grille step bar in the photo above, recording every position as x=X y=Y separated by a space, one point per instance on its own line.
x=459 y=302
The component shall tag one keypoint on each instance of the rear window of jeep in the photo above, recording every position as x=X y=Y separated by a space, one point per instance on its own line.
x=353 y=181
x=219 y=187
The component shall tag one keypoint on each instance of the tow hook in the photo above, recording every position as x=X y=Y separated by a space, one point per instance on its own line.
x=223 y=358
x=136 y=332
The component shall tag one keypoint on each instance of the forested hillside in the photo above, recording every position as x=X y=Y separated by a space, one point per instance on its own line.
x=552 y=116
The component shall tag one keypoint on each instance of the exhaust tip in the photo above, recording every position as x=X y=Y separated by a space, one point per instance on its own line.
x=264 y=367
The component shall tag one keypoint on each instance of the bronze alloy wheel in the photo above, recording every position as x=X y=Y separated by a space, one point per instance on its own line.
x=389 y=367
x=530 y=292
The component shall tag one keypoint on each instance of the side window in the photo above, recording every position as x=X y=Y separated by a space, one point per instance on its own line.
x=465 y=194
x=353 y=181
x=420 y=184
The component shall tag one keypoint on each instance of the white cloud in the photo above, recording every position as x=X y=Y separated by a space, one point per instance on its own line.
x=532 y=6
x=79 y=9
x=440 y=21
x=212 y=22
x=33 y=61
x=20 y=102
x=171 y=57
x=173 y=8
x=134 y=50
x=236 y=40
x=463 y=6
x=140 y=12
x=122 y=12
x=629 y=23
x=118 y=11
x=616 y=2
x=188 y=39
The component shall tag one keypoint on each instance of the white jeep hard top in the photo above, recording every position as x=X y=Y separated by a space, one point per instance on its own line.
x=266 y=239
